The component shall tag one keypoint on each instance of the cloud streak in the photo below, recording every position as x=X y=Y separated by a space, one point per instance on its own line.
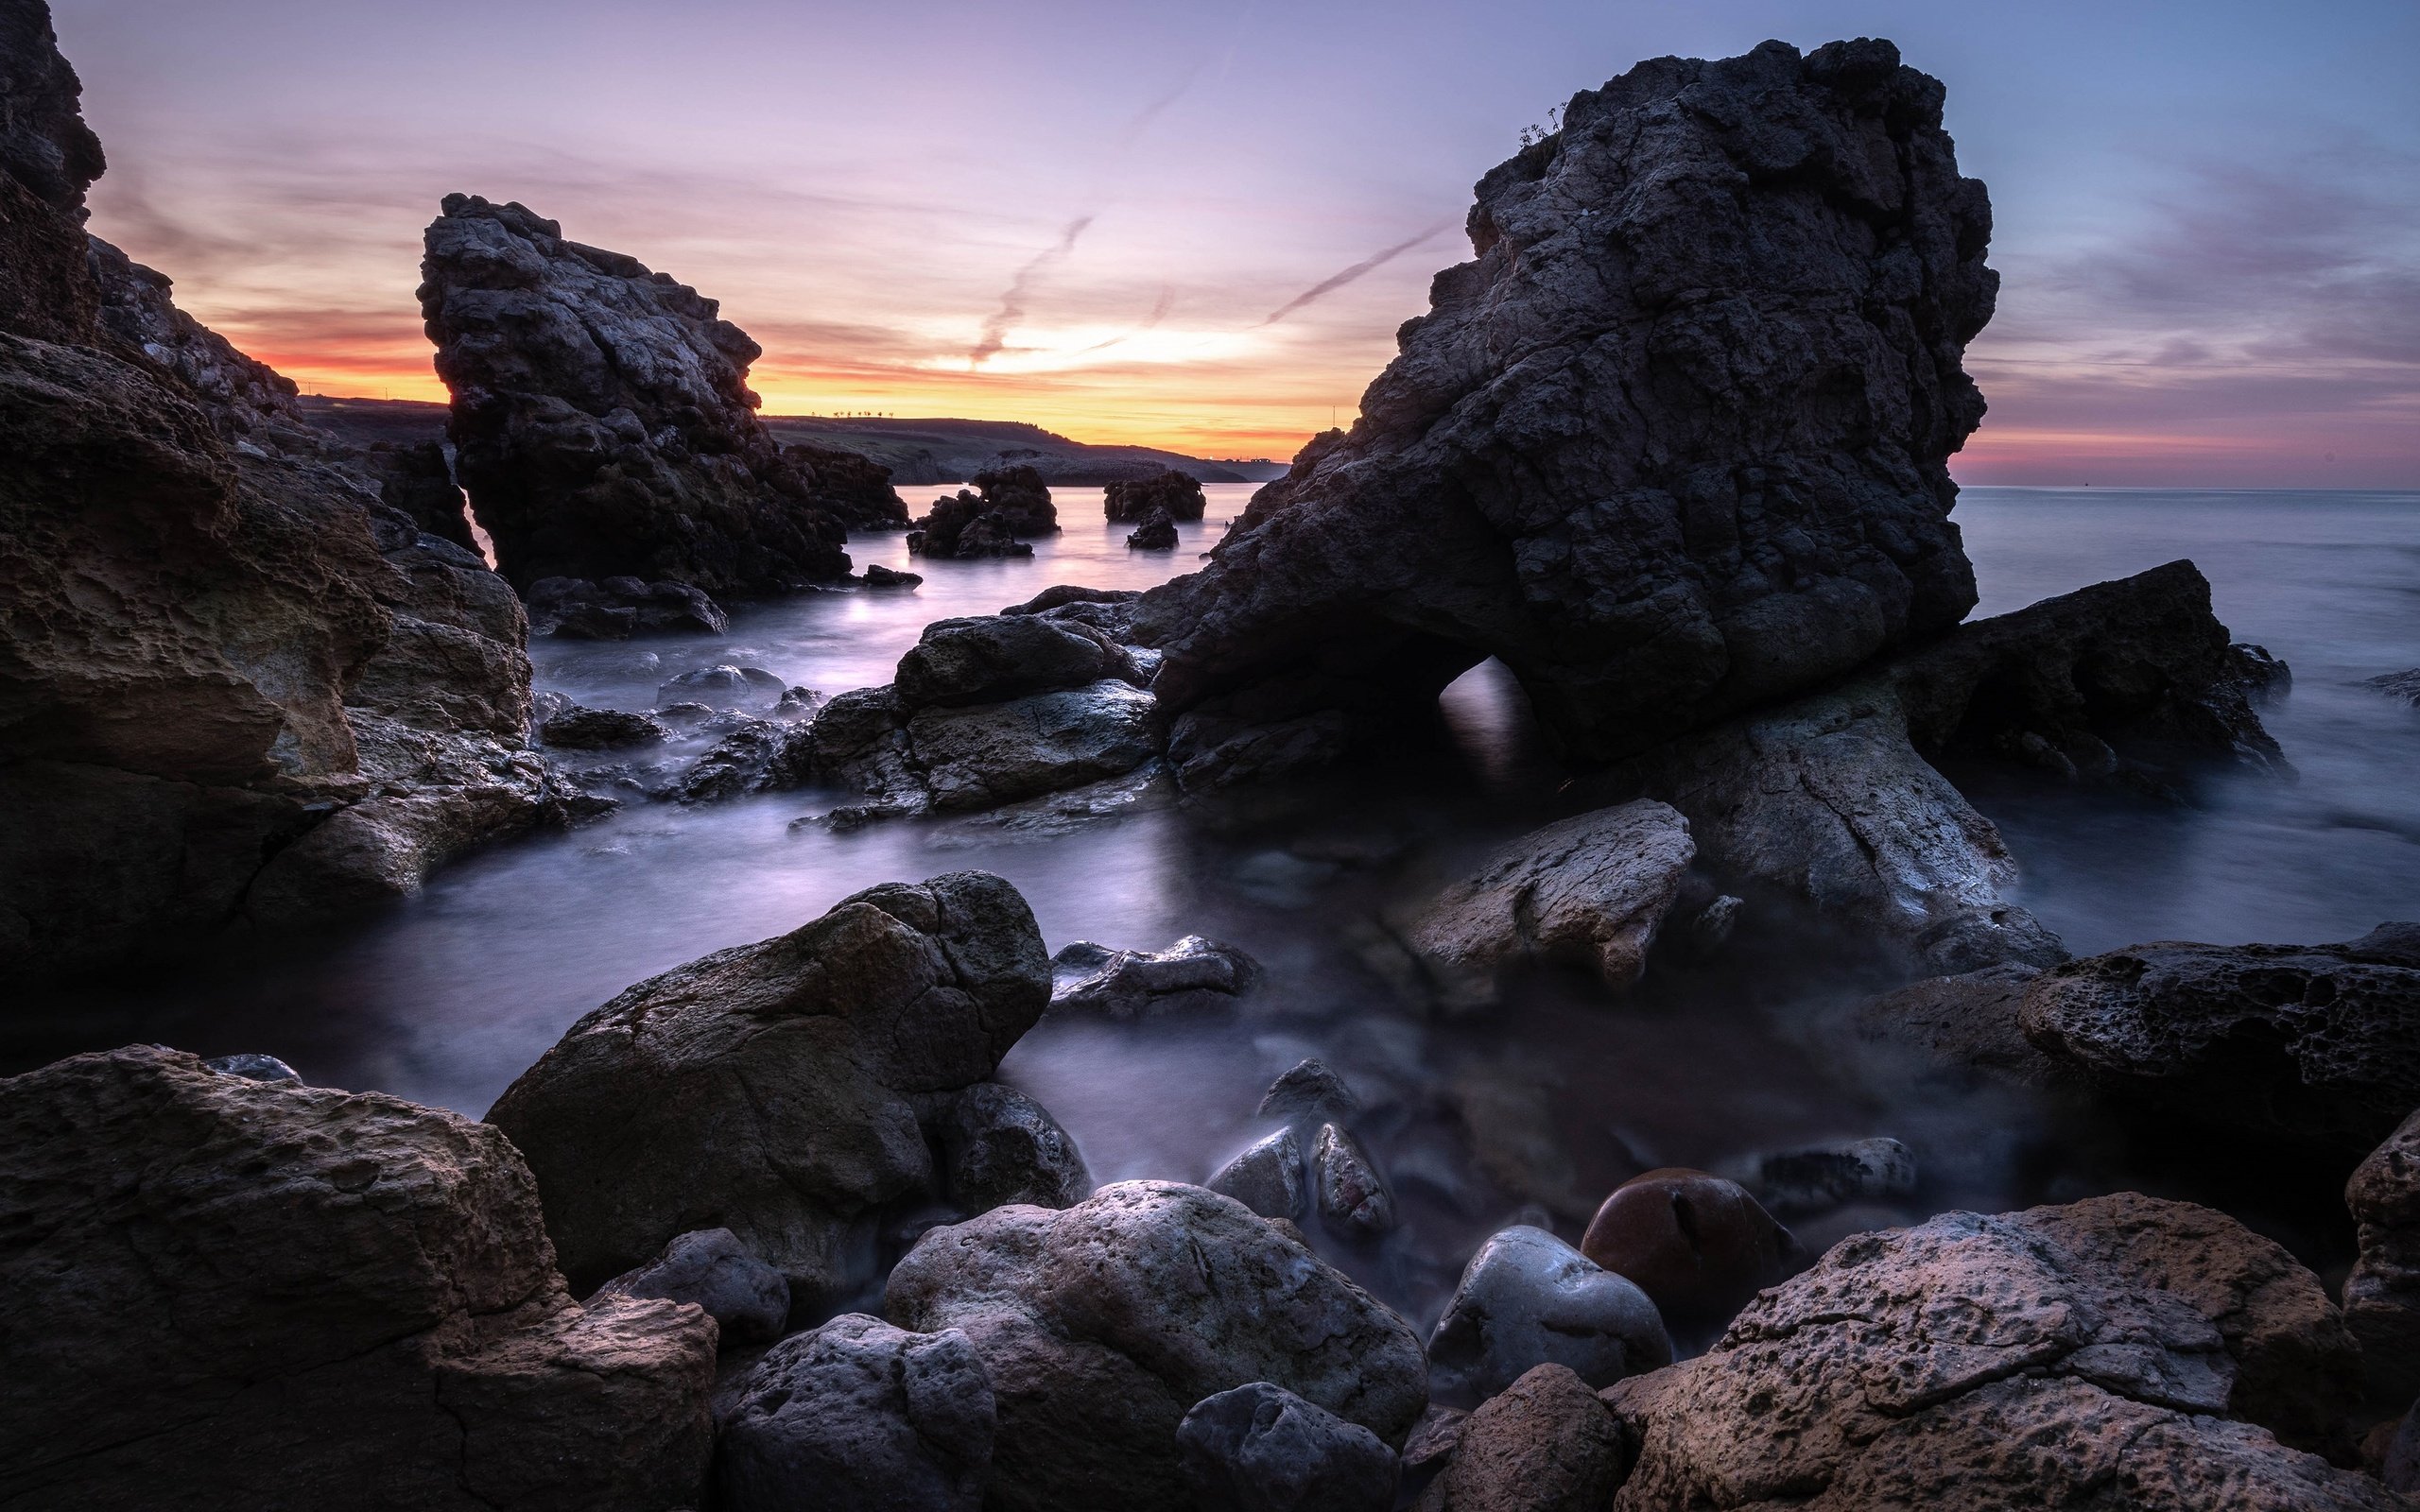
x=1337 y=281
x=1013 y=303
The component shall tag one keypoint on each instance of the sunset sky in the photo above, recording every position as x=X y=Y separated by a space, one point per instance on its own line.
x=1198 y=225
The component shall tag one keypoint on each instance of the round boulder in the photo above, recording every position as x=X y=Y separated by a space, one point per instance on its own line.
x=747 y=1299
x=1696 y=1243
x=1260 y=1448
x=1525 y=1299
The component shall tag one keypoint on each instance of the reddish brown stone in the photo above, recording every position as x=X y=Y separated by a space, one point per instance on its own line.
x=1695 y=1243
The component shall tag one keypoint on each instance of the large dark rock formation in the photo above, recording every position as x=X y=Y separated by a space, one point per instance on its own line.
x=1179 y=494
x=1674 y=444
x=219 y=1291
x=234 y=683
x=1006 y=506
x=602 y=420
x=2119 y=1352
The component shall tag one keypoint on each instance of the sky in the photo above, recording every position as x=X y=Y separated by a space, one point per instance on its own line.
x=1199 y=225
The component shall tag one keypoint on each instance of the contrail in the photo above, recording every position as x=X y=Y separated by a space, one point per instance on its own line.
x=1012 y=310
x=1329 y=286
x=1159 y=312
x=1150 y=112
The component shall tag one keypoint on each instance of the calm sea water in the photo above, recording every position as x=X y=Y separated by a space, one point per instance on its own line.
x=1554 y=1095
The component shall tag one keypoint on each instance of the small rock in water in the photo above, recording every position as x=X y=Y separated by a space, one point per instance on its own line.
x=253 y=1067
x=859 y=1415
x=723 y=687
x=877 y=576
x=1259 y=1448
x=1527 y=1299
x=1126 y=985
x=799 y=703
x=1308 y=1091
x=2402 y=686
x=1545 y=1442
x=618 y=607
x=1000 y=1146
x=1268 y=1177
x=1351 y=1192
x=1826 y=1176
x=579 y=729
x=710 y=1267
x=1157 y=532
x=1695 y=1243
x=1168 y=491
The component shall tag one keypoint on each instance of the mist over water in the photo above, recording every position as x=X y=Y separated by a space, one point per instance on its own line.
x=1539 y=1103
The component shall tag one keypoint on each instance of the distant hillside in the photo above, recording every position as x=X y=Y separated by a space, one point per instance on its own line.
x=918 y=452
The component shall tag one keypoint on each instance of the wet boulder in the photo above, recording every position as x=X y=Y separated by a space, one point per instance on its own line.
x=1129 y=985
x=1351 y=1194
x=2382 y=1295
x=1696 y=1243
x=1131 y=499
x=2053 y=1357
x=1155 y=531
x=990 y=754
x=2404 y=687
x=1102 y=1325
x=254 y=1066
x=1525 y=1299
x=859 y=1416
x=579 y=729
x=991 y=658
x=219 y=1291
x=1267 y=1178
x=748 y=1300
x=2310 y=1045
x=768 y=1089
x=1308 y=1091
x=1259 y=1448
x=998 y=1146
x=877 y=576
x=722 y=687
x=619 y=608
x=1543 y=1444
x=1592 y=889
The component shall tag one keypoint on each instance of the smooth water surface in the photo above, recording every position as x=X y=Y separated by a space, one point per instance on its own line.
x=1542 y=1102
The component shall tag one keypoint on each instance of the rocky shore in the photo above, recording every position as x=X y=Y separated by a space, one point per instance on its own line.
x=774 y=1227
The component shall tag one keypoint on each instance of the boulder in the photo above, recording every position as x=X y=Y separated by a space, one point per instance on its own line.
x=2382 y=1295
x=2310 y=1045
x=2060 y=1357
x=1006 y=506
x=1100 y=1325
x=1132 y=499
x=1129 y=985
x=1967 y=1022
x=990 y=754
x=1593 y=889
x=2404 y=687
x=1309 y=1091
x=877 y=576
x=991 y=658
x=1696 y=1243
x=578 y=728
x=1817 y=1177
x=857 y=1417
x=766 y=1088
x=254 y=1066
x=722 y=687
x=1527 y=1299
x=1351 y=1194
x=1259 y=1448
x=1674 y=443
x=1155 y=532
x=601 y=418
x=224 y=1291
x=1545 y=1444
x=855 y=486
x=998 y=1146
x=747 y=1299
x=619 y=608
x=1267 y=1178
x=1017 y=493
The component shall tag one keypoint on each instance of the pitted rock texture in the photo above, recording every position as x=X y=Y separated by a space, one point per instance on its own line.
x=237 y=682
x=1545 y=1444
x=2087 y=1356
x=769 y=1089
x=1592 y=889
x=2382 y=1295
x=219 y=1291
x=2315 y=1045
x=602 y=420
x=1133 y=499
x=1674 y=444
x=747 y=1299
x=1260 y=1448
x=1101 y=1326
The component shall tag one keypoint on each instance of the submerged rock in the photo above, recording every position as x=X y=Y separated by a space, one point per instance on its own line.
x=1820 y=1176
x=767 y=1088
x=1259 y=1448
x=1129 y=984
x=2027 y=1360
x=602 y=421
x=1592 y=888
x=1696 y=1243
x=859 y=1416
x=2382 y=1295
x=747 y=1299
x=1545 y=1444
x=1133 y=499
x=221 y=1292
x=1101 y=1327
x=2315 y=1045
x=1597 y=457
x=1527 y=1299
x=1155 y=532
